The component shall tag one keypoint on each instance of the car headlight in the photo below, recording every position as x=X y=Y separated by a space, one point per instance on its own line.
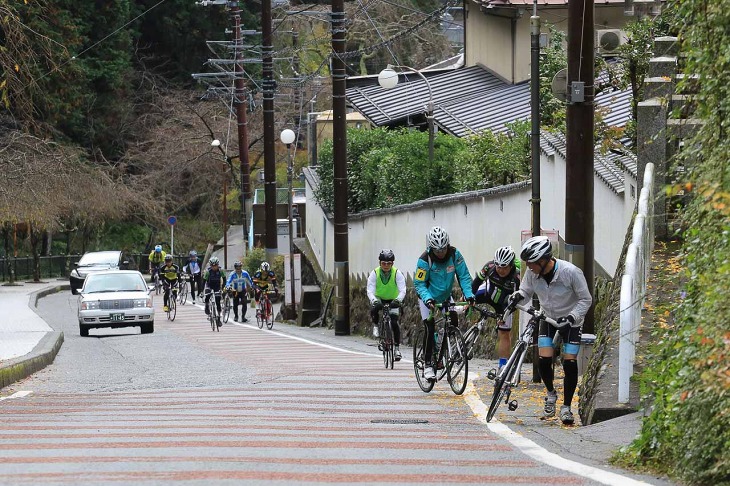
x=143 y=303
x=89 y=305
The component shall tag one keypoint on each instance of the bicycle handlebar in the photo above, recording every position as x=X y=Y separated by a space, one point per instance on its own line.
x=486 y=313
x=539 y=313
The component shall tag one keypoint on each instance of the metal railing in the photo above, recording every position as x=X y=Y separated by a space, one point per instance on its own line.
x=633 y=283
x=21 y=268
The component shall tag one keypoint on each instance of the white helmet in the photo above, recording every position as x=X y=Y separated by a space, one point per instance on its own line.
x=535 y=248
x=265 y=266
x=437 y=238
x=504 y=256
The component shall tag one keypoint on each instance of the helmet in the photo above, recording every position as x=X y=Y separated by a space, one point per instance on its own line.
x=168 y=258
x=386 y=255
x=265 y=266
x=535 y=248
x=214 y=261
x=504 y=256
x=193 y=253
x=158 y=248
x=437 y=238
x=237 y=264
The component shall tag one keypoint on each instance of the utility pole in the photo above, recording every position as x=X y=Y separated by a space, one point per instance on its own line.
x=535 y=148
x=580 y=145
x=269 y=132
x=240 y=102
x=339 y=145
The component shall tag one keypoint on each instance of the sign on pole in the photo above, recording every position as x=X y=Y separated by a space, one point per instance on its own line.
x=172 y=220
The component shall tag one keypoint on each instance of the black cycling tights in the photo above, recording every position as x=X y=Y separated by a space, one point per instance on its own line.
x=570 y=383
x=546 y=372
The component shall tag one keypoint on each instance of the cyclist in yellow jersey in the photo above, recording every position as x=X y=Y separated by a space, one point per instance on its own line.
x=169 y=275
x=156 y=258
x=262 y=279
x=387 y=284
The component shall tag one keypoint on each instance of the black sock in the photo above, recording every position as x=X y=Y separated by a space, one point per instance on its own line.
x=570 y=366
x=546 y=372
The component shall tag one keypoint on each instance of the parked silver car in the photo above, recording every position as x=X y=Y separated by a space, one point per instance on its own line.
x=116 y=298
x=98 y=261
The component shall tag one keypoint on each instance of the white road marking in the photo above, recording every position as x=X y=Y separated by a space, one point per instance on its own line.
x=19 y=394
x=531 y=449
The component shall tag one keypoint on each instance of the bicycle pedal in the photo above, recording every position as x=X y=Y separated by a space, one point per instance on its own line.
x=492 y=374
x=512 y=406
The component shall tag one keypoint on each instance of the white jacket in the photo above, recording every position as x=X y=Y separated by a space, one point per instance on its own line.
x=567 y=293
x=400 y=281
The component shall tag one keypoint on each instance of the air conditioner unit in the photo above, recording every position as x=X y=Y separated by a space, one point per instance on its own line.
x=609 y=40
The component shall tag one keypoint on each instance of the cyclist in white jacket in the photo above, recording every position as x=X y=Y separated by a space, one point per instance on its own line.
x=564 y=296
x=387 y=284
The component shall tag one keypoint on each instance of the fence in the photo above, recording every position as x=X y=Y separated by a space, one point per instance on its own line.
x=633 y=283
x=51 y=266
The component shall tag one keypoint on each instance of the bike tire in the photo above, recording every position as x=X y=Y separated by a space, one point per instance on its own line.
x=470 y=340
x=157 y=284
x=388 y=347
x=259 y=319
x=269 y=315
x=419 y=362
x=457 y=369
x=183 y=297
x=211 y=318
x=173 y=309
x=226 y=308
x=500 y=384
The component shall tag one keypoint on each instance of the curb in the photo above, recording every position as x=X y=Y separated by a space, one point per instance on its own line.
x=43 y=354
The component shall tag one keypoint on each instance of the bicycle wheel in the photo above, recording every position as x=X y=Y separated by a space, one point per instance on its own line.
x=388 y=348
x=470 y=340
x=217 y=317
x=259 y=318
x=172 y=305
x=158 y=286
x=419 y=362
x=211 y=317
x=501 y=384
x=183 y=294
x=226 y=308
x=457 y=369
x=269 y=314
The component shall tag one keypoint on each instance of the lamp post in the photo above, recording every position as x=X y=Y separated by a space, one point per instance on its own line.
x=217 y=143
x=287 y=137
x=388 y=79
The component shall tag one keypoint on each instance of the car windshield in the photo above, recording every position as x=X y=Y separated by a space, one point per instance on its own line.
x=100 y=258
x=117 y=282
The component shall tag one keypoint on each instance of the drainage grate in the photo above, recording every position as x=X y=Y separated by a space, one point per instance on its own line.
x=399 y=421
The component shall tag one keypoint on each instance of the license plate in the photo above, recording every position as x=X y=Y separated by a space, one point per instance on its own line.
x=118 y=317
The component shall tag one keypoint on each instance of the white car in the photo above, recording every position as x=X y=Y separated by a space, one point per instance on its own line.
x=116 y=298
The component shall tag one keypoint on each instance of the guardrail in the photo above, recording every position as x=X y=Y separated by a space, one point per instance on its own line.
x=633 y=283
x=22 y=267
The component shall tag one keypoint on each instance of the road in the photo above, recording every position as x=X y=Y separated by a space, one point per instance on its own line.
x=243 y=405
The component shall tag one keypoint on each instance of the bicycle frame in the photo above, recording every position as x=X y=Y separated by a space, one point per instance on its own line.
x=475 y=331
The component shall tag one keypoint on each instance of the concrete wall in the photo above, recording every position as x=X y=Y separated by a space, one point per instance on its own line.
x=489 y=37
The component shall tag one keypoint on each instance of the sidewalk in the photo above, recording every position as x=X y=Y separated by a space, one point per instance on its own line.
x=27 y=343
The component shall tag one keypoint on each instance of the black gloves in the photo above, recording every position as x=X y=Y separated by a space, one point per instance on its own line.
x=471 y=300
x=376 y=304
x=569 y=319
x=431 y=304
x=513 y=300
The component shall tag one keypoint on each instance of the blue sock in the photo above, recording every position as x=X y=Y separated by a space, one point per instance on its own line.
x=502 y=362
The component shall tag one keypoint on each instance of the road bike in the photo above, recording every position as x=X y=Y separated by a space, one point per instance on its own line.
x=451 y=358
x=171 y=300
x=472 y=335
x=156 y=280
x=213 y=317
x=509 y=376
x=386 y=342
x=227 y=305
x=265 y=311
x=183 y=293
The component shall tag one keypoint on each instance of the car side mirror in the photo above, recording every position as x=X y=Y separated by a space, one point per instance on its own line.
x=76 y=264
x=150 y=288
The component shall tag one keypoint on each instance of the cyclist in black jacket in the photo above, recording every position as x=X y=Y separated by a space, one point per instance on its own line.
x=492 y=285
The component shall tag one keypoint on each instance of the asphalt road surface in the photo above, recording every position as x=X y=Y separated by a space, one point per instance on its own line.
x=243 y=405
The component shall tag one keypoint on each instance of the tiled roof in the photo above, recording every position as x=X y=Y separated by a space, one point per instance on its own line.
x=609 y=167
x=540 y=3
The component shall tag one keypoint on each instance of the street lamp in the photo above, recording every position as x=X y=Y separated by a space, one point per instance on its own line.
x=388 y=79
x=217 y=143
x=287 y=137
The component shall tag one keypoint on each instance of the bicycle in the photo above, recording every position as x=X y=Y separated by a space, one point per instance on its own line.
x=171 y=300
x=264 y=311
x=451 y=358
x=227 y=305
x=509 y=376
x=156 y=280
x=386 y=341
x=183 y=292
x=213 y=316
x=472 y=335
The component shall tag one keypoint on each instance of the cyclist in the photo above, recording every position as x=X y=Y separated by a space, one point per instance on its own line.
x=192 y=268
x=238 y=282
x=434 y=277
x=214 y=278
x=156 y=258
x=493 y=285
x=169 y=275
x=564 y=296
x=387 y=284
x=262 y=279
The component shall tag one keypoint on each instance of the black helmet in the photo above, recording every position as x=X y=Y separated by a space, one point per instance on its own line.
x=168 y=258
x=386 y=256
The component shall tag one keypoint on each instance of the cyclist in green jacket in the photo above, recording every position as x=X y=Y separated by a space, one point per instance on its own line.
x=386 y=284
